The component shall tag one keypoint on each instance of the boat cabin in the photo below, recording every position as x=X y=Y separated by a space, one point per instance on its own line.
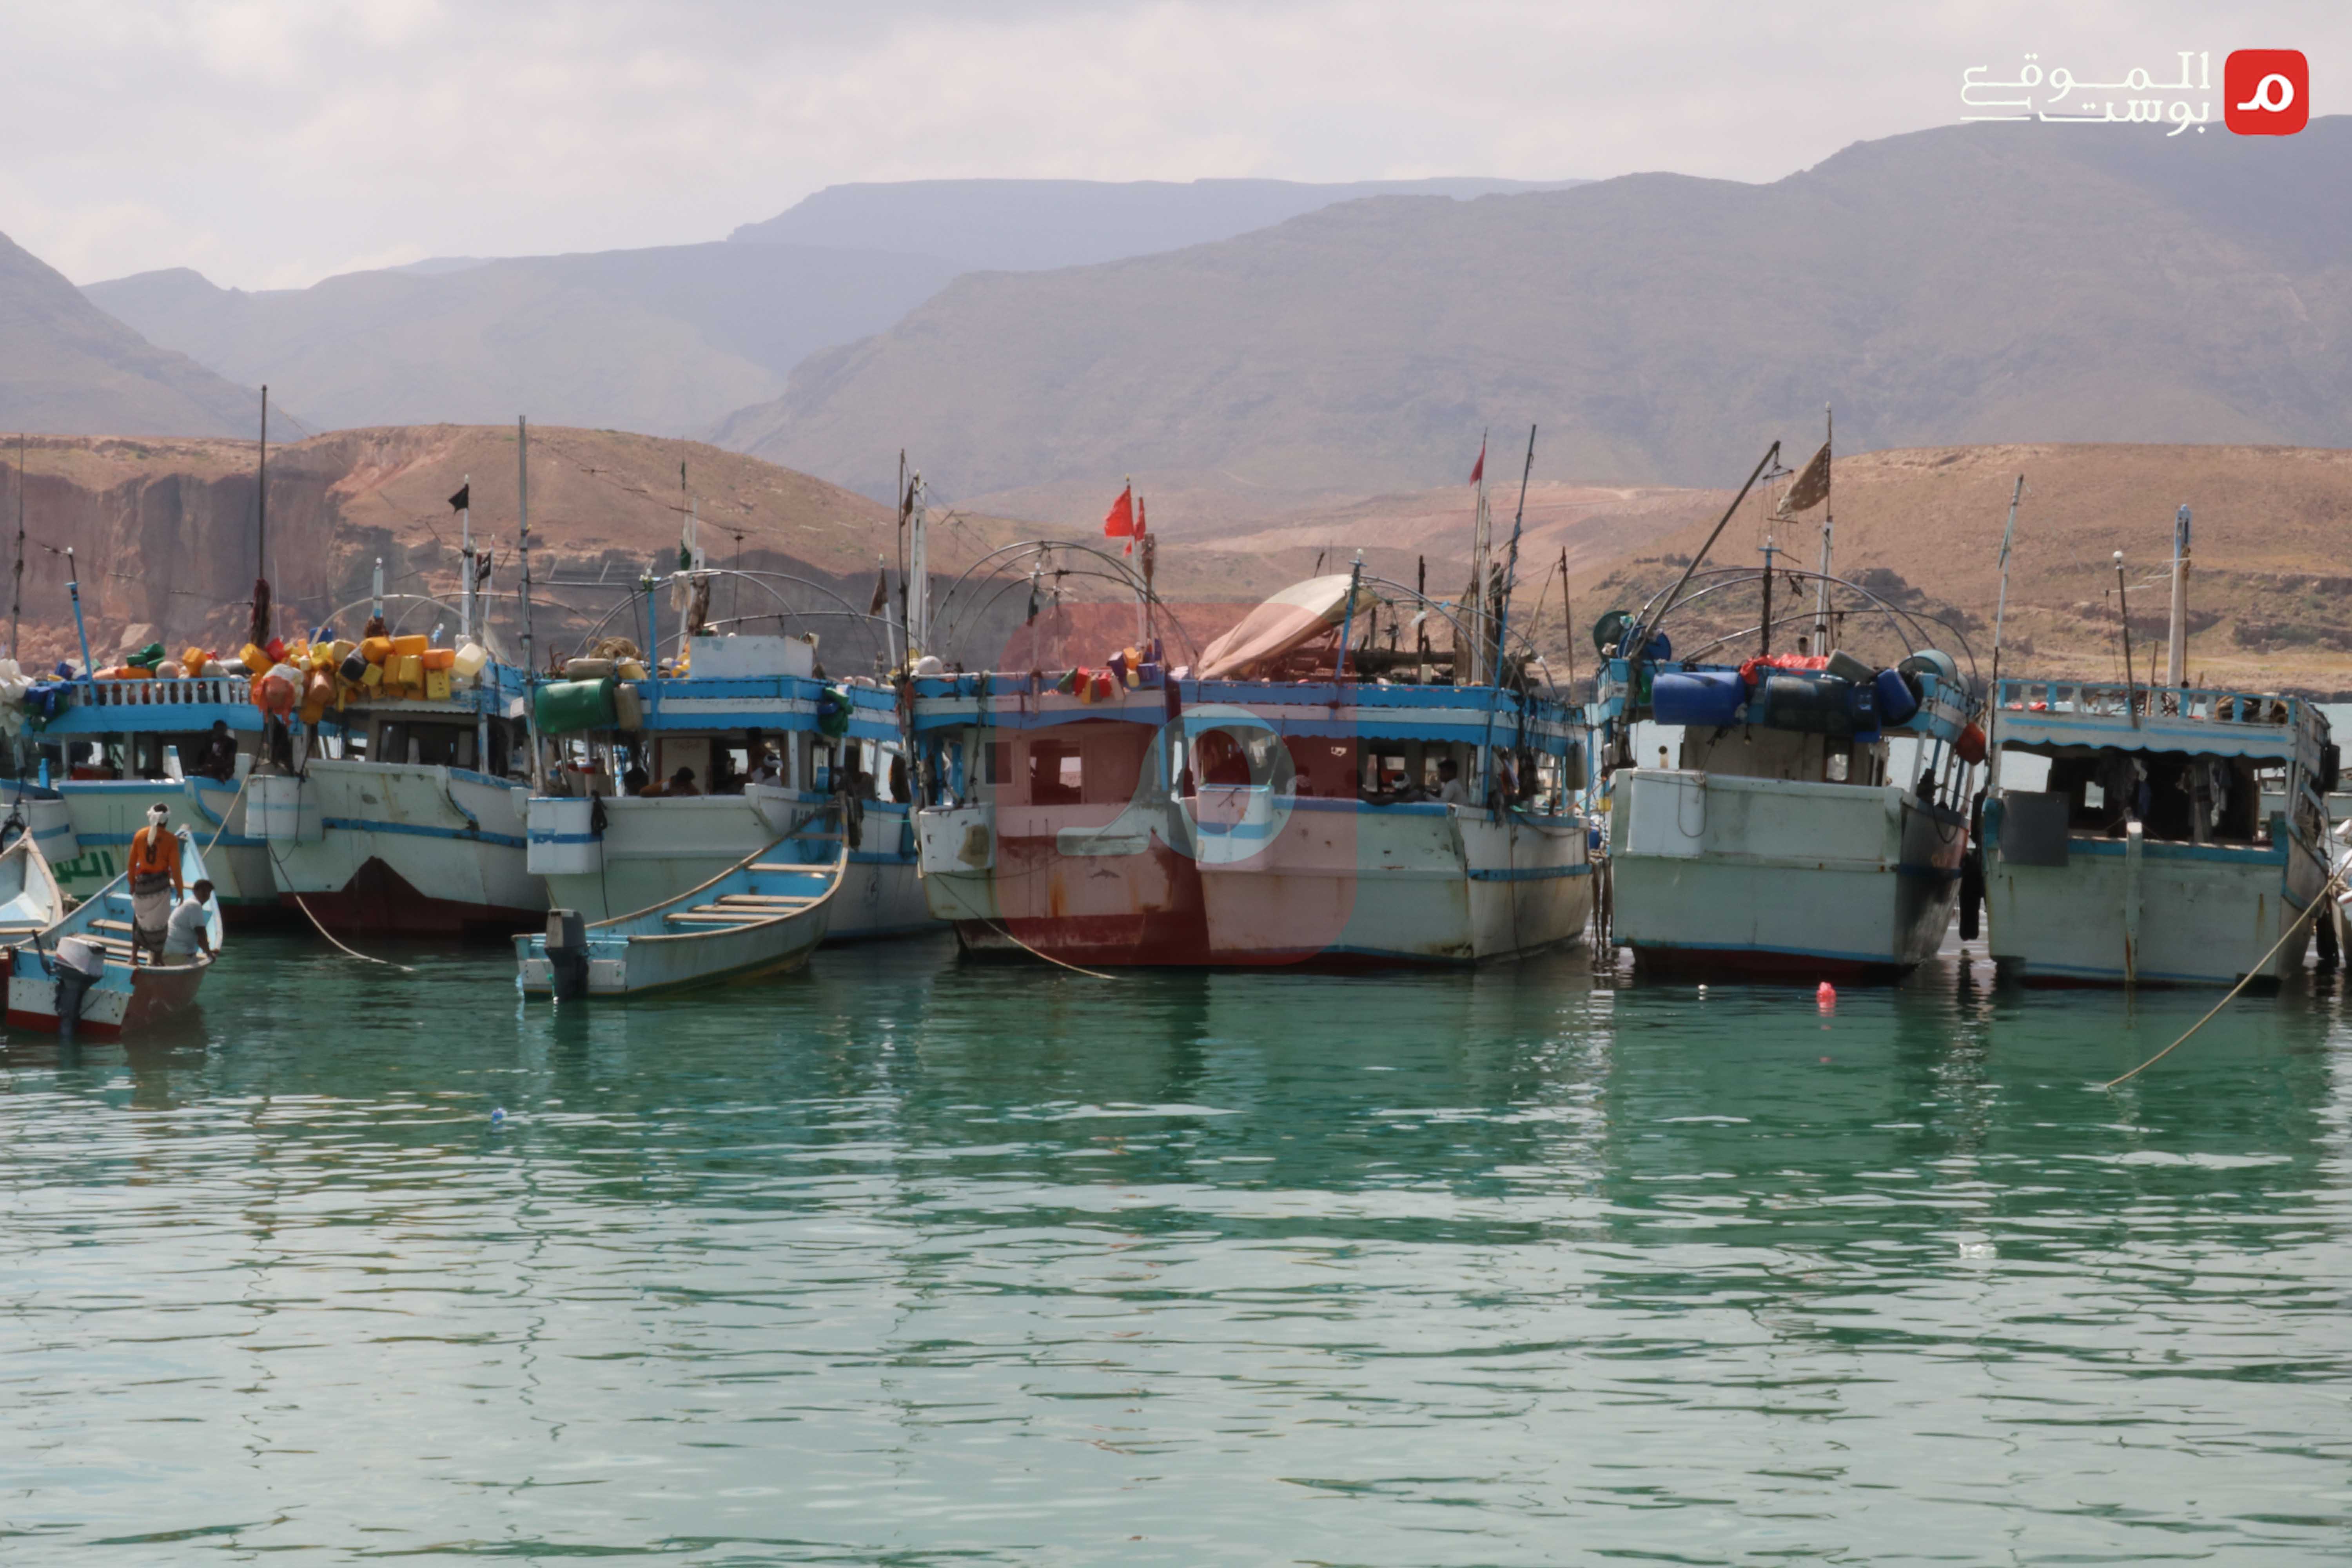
x=2190 y=766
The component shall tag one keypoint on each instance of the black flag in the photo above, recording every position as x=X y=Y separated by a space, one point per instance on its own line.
x=881 y=600
x=464 y=498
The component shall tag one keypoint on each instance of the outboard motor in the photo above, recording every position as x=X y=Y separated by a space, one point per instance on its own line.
x=77 y=966
x=567 y=954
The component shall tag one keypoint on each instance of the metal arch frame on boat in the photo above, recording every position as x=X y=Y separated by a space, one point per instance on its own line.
x=848 y=610
x=1122 y=572
x=1535 y=655
x=1011 y=582
x=1733 y=576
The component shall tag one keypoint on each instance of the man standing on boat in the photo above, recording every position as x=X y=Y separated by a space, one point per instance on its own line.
x=154 y=881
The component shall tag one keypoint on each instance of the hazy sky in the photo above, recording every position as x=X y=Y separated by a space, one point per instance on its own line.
x=271 y=142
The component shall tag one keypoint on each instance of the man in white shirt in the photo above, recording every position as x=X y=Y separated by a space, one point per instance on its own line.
x=1449 y=785
x=188 y=930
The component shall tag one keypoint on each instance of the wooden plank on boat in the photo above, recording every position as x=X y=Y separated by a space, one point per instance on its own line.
x=768 y=899
x=696 y=917
x=123 y=926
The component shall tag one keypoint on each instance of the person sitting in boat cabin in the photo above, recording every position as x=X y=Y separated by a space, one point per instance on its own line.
x=1449 y=785
x=154 y=880
x=682 y=782
x=636 y=780
x=218 y=759
x=762 y=766
x=188 y=932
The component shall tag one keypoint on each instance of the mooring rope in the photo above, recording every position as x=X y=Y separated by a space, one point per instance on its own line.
x=2319 y=900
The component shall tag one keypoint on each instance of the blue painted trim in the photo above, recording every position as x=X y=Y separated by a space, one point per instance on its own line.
x=356 y=825
x=1530 y=873
x=2165 y=850
x=544 y=835
x=1879 y=958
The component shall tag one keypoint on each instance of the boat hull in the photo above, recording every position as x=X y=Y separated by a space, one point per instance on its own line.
x=1779 y=879
x=650 y=851
x=1340 y=881
x=2205 y=915
x=154 y=994
x=1064 y=884
x=403 y=851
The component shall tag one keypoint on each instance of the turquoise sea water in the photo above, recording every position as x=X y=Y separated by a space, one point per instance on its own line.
x=911 y=1261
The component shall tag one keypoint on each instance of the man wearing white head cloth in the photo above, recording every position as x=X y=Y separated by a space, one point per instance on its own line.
x=154 y=880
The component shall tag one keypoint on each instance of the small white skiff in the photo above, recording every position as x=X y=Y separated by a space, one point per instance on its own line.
x=758 y=918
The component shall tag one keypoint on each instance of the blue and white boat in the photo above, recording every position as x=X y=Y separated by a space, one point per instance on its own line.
x=407 y=816
x=2146 y=854
x=762 y=917
x=119 y=747
x=605 y=851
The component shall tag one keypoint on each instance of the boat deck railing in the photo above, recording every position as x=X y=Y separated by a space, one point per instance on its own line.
x=2115 y=699
x=193 y=690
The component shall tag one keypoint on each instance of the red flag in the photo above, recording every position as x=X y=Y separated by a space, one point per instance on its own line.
x=1479 y=471
x=1139 y=525
x=1119 y=522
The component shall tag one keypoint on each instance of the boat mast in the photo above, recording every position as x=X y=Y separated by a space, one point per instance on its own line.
x=1999 y=614
x=1511 y=570
x=1474 y=602
x=466 y=561
x=2122 y=614
x=529 y=657
x=17 y=599
x=2176 y=660
x=1829 y=526
x=918 y=574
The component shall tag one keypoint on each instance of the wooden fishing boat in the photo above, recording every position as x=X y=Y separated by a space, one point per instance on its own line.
x=761 y=916
x=125 y=993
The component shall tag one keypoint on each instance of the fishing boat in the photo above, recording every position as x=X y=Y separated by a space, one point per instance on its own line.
x=80 y=974
x=1779 y=842
x=605 y=847
x=762 y=917
x=1286 y=804
x=113 y=749
x=406 y=816
x=2178 y=834
x=2144 y=858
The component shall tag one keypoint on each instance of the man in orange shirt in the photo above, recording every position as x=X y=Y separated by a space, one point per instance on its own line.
x=154 y=881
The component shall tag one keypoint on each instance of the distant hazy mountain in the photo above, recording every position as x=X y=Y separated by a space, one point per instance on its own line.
x=1974 y=283
x=662 y=341
x=1025 y=224
x=68 y=368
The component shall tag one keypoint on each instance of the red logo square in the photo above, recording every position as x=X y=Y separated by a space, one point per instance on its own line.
x=2266 y=92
